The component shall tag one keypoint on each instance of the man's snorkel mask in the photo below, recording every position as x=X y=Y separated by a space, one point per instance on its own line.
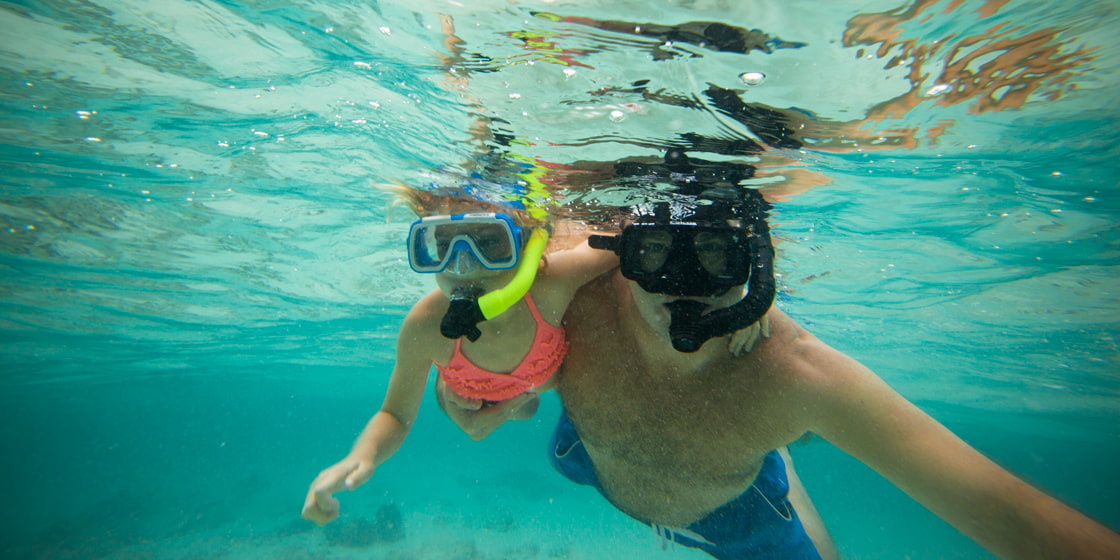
x=689 y=248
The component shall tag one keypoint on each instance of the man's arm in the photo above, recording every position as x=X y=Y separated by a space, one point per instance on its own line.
x=859 y=413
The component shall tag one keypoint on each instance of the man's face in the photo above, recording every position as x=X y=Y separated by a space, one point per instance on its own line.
x=688 y=269
x=651 y=306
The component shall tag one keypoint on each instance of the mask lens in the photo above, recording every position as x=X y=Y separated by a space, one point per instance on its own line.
x=489 y=238
x=424 y=251
x=685 y=260
x=651 y=249
x=492 y=241
x=717 y=252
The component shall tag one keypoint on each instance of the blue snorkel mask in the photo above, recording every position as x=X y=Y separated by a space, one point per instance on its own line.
x=492 y=241
x=458 y=243
x=435 y=243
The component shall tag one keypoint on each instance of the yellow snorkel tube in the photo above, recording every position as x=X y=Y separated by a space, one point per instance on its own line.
x=495 y=303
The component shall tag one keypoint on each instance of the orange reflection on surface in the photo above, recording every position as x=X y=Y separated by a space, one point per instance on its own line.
x=999 y=69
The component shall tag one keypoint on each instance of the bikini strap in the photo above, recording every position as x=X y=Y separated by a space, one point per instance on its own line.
x=533 y=309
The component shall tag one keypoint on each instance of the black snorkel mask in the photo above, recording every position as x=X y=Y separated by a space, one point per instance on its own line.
x=683 y=248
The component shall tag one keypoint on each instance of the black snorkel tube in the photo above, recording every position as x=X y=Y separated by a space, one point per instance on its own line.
x=689 y=329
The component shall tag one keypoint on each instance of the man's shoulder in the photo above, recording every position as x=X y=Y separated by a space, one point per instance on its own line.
x=800 y=361
x=603 y=289
x=594 y=309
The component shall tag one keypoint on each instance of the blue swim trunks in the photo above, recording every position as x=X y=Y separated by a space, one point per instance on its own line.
x=759 y=524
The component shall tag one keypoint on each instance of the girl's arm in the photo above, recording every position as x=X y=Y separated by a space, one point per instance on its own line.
x=579 y=264
x=564 y=272
x=386 y=431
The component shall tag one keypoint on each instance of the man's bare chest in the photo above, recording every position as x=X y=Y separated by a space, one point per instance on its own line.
x=668 y=422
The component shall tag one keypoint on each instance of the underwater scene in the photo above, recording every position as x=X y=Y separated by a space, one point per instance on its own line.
x=203 y=275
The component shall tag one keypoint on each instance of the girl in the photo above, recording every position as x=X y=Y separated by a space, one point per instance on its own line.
x=475 y=249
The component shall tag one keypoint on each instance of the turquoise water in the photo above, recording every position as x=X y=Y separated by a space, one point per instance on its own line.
x=201 y=288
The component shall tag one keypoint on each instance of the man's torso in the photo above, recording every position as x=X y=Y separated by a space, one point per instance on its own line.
x=668 y=446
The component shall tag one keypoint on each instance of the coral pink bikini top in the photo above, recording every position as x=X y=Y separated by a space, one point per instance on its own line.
x=544 y=358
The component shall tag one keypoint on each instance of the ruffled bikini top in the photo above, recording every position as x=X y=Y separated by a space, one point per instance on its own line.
x=545 y=356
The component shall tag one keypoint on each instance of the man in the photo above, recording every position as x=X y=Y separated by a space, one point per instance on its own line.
x=680 y=434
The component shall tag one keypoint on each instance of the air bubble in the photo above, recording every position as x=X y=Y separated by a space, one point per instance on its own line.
x=752 y=78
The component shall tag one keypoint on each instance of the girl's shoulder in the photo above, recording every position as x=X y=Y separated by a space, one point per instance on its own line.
x=420 y=333
x=427 y=313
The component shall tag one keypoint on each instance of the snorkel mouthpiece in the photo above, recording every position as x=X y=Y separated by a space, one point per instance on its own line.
x=684 y=326
x=463 y=315
x=469 y=306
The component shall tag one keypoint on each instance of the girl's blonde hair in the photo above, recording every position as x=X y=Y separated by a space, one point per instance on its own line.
x=434 y=203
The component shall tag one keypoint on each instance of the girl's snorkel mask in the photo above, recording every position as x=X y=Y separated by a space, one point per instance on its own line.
x=491 y=240
x=429 y=251
x=687 y=249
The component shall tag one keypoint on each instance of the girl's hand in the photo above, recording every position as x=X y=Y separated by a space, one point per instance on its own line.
x=321 y=506
x=743 y=340
x=448 y=397
x=479 y=421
